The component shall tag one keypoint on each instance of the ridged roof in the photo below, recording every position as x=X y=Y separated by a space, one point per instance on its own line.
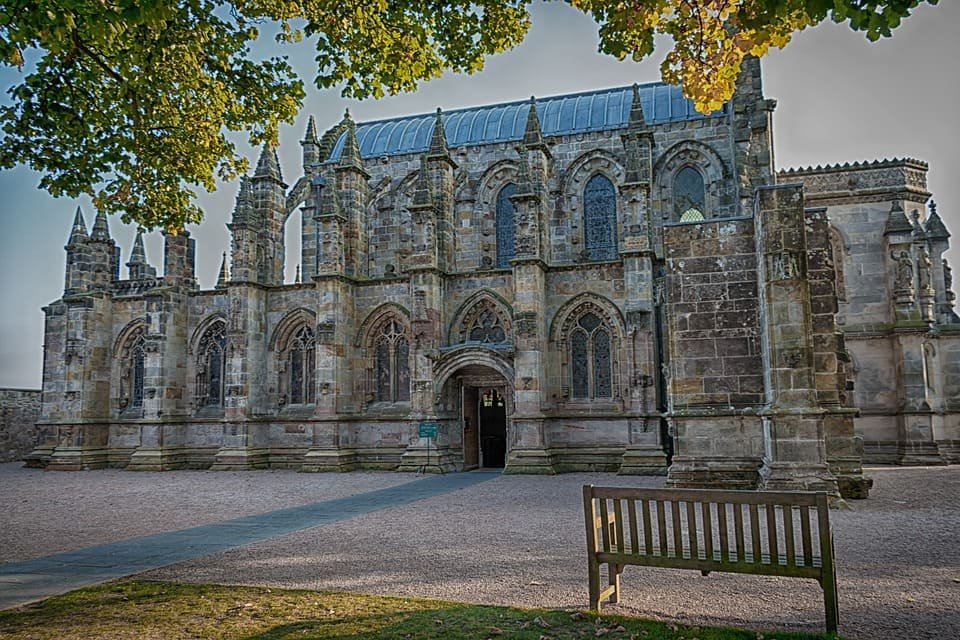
x=865 y=164
x=559 y=115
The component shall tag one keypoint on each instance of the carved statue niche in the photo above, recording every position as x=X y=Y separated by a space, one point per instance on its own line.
x=904 y=281
x=924 y=266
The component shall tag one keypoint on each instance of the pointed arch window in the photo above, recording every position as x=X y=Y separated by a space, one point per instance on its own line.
x=211 y=366
x=392 y=364
x=133 y=358
x=689 y=195
x=591 y=363
x=600 y=218
x=301 y=357
x=505 y=226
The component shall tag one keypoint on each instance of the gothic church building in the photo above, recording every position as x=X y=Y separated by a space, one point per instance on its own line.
x=602 y=281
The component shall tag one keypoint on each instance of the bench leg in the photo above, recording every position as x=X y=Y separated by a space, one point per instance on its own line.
x=830 y=602
x=594 y=577
x=615 y=571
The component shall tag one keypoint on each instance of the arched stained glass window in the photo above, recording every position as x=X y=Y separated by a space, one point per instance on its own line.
x=689 y=195
x=301 y=360
x=392 y=364
x=591 y=368
x=505 y=226
x=132 y=361
x=211 y=366
x=600 y=218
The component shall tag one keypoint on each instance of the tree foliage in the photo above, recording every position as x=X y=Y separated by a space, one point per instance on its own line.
x=131 y=101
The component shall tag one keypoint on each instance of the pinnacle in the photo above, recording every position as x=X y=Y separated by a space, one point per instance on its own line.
x=532 y=135
x=350 y=155
x=138 y=255
x=637 y=120
x=311 y=133
x=101 y=229
x=438 y=142
x=897 y=220
x=79 y=230
x=422 y=194
x=934 y=227
x=268 y=166
x=224 y=276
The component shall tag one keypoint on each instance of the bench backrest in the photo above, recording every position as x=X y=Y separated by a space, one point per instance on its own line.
x=748 y=531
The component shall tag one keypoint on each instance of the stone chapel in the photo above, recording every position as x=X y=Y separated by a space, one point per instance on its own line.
x=602 y=281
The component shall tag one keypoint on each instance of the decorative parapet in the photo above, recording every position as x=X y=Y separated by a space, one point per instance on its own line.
x=879 y=180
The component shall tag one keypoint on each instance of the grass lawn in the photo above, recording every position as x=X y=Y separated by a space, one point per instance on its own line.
x=165 y=610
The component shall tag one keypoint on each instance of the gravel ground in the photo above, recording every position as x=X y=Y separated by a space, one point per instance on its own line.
x=516 y=540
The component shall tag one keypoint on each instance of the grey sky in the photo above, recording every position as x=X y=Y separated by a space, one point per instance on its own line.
x=840 y=99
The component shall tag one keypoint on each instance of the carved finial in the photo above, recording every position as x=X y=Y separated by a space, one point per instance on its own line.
x=311 y=133
x=935 y=228
x=299 y=279
x=350 y=155
x=637 y=121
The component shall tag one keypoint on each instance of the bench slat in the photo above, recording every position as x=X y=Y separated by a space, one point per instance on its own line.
x=647 y=533
x=724 y=535
x=604 y=531
x=708 y=495
x=692 y=529
x=738 y=525
x=805 y=535
x=772 y=538
x=634 y=538
x=618 y=523
x=753 y=568
x=677 y=530
x=707 y=519
x=662 y=527
x=788 y=534
x=755 y=530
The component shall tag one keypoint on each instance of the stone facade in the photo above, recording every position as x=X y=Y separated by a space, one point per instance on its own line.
x=19 y=435
x=605 y=281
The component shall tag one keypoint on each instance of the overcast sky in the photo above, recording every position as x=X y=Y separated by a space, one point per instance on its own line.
x=840 y=99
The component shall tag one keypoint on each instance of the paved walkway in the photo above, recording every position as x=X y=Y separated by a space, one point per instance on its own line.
x=31 y=580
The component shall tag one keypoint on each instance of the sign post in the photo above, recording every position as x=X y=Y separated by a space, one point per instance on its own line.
x=428 y=429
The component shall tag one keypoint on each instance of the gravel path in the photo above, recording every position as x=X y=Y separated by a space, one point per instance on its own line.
x=518 y=540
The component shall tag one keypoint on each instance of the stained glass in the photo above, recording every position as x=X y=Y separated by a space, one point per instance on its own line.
x=301 y=358
x=392 y=364
x=600 y=218
x=211 y=365
x=689 y=195
x=505 y=226
x=589 y=321
x=296 y=376
x=580 y=378
x=383 y=371
x=214 y=377
x=602 y=379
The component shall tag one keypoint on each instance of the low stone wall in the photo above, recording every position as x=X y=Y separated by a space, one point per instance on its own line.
x=19 y=411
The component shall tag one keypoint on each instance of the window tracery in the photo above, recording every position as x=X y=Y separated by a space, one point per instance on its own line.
x=132 y=361
x=211 y=366
x=391 y=355
x=301 y=370
x=505 y=226
x=600 y=218
x=591 y=363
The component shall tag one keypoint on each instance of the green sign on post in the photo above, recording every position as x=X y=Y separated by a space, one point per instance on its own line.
x=428 y=429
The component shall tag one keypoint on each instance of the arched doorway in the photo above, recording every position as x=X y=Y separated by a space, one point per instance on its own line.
x=477 y=380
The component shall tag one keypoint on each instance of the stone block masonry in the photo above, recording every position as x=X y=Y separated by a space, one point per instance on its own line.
x=19 y=412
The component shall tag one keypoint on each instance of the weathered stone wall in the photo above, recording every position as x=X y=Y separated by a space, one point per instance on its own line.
x=19 y=412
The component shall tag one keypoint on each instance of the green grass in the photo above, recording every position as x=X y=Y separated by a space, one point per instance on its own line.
x=164 y=610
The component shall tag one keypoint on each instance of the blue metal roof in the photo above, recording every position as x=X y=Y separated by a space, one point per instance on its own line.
x=559 y=115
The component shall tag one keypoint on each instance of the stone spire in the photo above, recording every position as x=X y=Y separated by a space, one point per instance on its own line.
x=532 y=135
x=524 y=183
x=350 y=154
x=422 y=196
x=310 y=144
x=101 y=230
x=934 y=227
x=897 y=221
x=224 y=276
x=438 y=142
x=243 y=208
x=79 y=231
x=268 y=166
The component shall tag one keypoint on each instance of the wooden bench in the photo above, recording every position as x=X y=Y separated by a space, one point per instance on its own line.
x=762 y=533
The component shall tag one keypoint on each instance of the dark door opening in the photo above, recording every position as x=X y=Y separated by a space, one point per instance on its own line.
x=493 y=429
x=471 y=418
